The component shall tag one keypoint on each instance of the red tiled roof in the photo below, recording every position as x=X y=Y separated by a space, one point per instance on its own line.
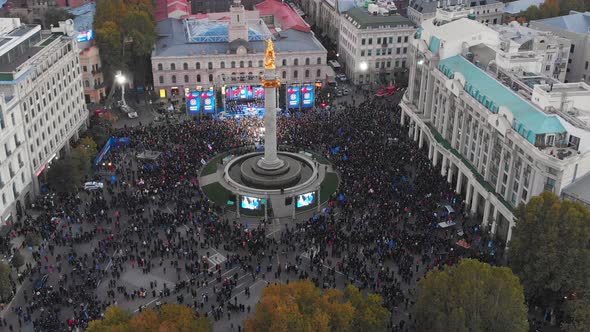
x=163 y=8
x=288 y=18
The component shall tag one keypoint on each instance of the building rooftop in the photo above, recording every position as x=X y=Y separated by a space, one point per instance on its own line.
x=173 y=42
x=363 y=19
x=84 y=16
x=528 y=120
x=519 y=6
x=577 y=22
x=429 y=6
x=579 y=189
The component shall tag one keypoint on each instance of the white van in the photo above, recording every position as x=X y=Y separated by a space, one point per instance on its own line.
x=93 y=185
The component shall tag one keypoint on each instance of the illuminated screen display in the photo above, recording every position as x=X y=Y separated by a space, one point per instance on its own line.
x=251 y=203
x=208 y=100
x=307 y=95
x=293 y=96
x=305 y=199
x=244 y=92
x=193 y=102
x=85 y=36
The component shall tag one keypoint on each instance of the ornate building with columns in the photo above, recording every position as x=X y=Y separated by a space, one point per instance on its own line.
x=498 y=138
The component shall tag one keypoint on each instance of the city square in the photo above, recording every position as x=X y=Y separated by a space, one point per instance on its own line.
x=309 y=165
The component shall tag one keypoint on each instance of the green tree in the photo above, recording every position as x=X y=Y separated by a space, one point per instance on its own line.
x=87 y=147
x=471 y=296
x=66 y=175
x=550 y=248
x=110 y=43
x=301 y=306
x=577 y=315
x=5 y=283
x=532 y=13
x=54 y=15
x=17 y=260
x=115 y=320
x=33 y=239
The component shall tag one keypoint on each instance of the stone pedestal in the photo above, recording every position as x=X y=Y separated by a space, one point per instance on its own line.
x=270 y=161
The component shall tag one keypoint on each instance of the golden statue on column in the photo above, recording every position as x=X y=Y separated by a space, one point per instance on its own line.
x=269 y=58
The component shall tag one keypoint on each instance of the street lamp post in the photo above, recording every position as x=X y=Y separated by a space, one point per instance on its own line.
x=120 y=78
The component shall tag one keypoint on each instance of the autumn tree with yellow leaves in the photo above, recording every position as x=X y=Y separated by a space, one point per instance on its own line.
x=169 y=318
x=301 y=306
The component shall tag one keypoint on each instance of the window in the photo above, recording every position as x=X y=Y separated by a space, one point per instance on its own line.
x=161 y=79
x=572 y=48
x=547 y=67
x=198 y=65
x=378 y=52
x=362 y=52
x=307 y=61
x=159 y=66
x=295 y=74
x=370 y=41
x=260 y=63
x=550 y=139
x=250 y=64
x=210 y=65
x=378 y=40
x=284 y=74
x=210 y=77
x=86 y=84
x=369 y=52
x=296 y=62
x=173 y=78
x=233 y=64
x=284 y=62
x=398 y=50
x=399 y=39
x=241 y=64
x=222 y=64
x=363 y=41
x=586 y=66
x=377 y=65
x=84 y=69
x=172 y=66
x=405 y=39
x=185 y=78
x=307 y=73
x=185 y=66
x=319 y=61
x=318 y=73
x=199 y=78
x=496 y=20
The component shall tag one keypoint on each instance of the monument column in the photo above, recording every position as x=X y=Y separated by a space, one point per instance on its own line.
x=270 y=161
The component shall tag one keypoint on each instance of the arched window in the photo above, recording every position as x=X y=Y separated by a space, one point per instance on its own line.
x=307 y=73
x=198 y=65
x=307 y=61
x=172 y=66
x=319 y=60
x=318 y=73
x=284 y=74
x=199 y=78
x=222 y=64
x=210 y=77
x=185 y=66
x=249 y=64
x=159 y=66
x=173 y=78
x=284 y=62
x=233 y=64
x=296 y=62
x=86 y=84
x=161 y=79
x=241 y=64
x=185 y=78
x=295 y=74
x=210 y=65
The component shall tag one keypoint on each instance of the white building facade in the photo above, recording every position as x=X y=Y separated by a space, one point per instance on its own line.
x=496 y=146
x=42 y=107
x=485 y=11
x=374 y=48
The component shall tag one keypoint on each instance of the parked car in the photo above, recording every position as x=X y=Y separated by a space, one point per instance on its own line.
x=126 y=109
x=346 y=92
x=93 y=185
x=132 y=115
x=338 y=93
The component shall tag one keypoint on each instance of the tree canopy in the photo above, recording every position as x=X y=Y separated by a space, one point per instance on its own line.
x=550 y=248
x=577 y=314
x=170 y=317
x=471 y=296
x=53 y=15
x=552 y=8
x=5 y=284
x=125 y=32
x=301 y=306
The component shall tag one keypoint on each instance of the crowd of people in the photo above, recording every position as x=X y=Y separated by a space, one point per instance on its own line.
x=152 y=218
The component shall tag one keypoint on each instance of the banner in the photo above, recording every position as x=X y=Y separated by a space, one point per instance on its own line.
x=193 y=101
x=307 y=95
x=208 y=98
x=293 y=96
